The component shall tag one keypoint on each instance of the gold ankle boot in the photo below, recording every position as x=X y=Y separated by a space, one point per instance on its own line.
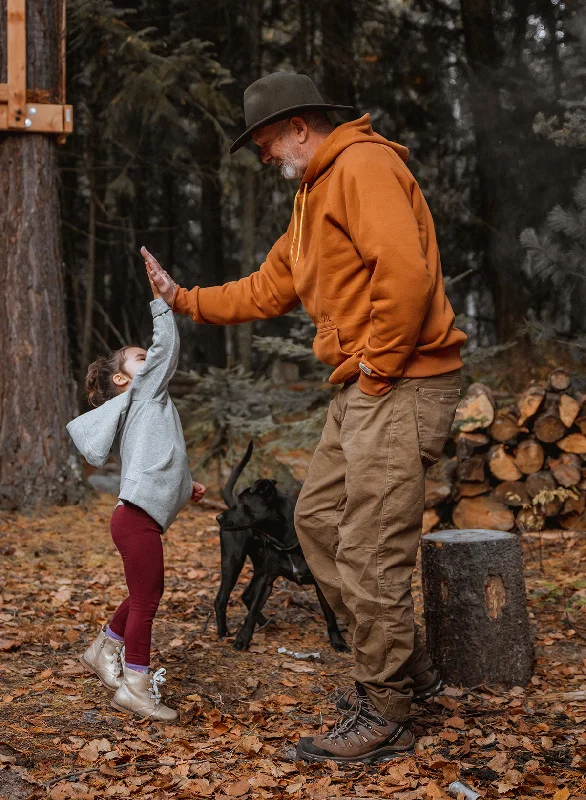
x=104 y=658
x=139 y=694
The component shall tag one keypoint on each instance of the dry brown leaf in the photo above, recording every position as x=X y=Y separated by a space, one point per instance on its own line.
x=238 y=789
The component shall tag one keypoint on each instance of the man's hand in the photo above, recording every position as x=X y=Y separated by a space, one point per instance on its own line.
x=164 y=283
x=198 y=492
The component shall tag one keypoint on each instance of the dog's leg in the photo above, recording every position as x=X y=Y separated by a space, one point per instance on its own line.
x=260 y=590
x=261 y=620
x=336 y=639
x=233 y=558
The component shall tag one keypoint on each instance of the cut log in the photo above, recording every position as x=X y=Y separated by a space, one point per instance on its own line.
x=559 y=380
x=436 y=492
x=529 y=456
x=430 y=520
x=540 y=482
x=548 y=427
x=512 y=493
x=468 y=443
x=573 y=522
x=581 y=423
x=574 y=505
x=502 y=465
x=483 y=512
x=472 y=489
x=568 y=409
x=476 y=617
x=567 y=469
x=529 y=404
x=574 y=443
x=472 y=469
x=504 y=428
x=476 y=409
x=530 y=518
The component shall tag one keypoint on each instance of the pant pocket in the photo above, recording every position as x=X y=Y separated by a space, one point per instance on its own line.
x=435 y=409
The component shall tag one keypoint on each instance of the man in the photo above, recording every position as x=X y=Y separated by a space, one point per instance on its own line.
x=361 y=255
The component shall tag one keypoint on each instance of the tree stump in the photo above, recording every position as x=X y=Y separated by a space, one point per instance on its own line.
x=475 y=607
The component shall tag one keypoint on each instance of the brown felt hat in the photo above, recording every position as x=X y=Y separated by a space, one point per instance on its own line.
x=278 y=96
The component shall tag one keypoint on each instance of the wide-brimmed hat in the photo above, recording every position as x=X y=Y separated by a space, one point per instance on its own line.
x=276 y=97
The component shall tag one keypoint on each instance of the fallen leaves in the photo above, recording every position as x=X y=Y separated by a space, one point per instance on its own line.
x=240 y=711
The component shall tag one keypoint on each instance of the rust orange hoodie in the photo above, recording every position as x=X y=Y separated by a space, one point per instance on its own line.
x=360 y=253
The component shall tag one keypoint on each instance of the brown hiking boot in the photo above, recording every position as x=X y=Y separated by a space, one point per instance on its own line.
x=425 y=685
x=361 y=736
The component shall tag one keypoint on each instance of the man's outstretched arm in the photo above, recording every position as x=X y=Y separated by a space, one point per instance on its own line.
x=269 y=292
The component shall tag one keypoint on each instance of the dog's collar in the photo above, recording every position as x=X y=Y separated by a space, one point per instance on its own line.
x=274 y=542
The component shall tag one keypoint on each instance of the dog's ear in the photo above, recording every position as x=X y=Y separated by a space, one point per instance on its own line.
x=265 y=487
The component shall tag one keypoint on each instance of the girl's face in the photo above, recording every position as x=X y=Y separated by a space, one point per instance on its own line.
x=134 y=359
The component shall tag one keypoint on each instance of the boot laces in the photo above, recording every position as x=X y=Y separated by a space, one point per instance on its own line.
x=117 y=659
x=157 y=679
x=355 y=717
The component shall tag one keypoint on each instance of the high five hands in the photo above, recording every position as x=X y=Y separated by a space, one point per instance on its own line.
x=161 y=282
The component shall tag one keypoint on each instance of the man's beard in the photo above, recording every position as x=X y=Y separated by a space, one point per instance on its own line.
x=290 y=169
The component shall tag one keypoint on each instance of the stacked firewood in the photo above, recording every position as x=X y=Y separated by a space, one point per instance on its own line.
x=521 y=466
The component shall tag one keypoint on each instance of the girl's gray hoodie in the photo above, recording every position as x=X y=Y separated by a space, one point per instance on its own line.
x=141 y=427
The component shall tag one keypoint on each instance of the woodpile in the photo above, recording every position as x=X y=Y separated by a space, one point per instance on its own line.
x=513 y=464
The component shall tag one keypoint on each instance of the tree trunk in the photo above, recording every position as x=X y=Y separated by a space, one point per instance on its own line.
x=37 y=462
x=496 y=155
x=475 y=608
x=338 y=22
x=212 y=251
x=248 y=184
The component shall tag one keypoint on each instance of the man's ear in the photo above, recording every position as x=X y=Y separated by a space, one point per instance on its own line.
x=265 y=487
x=300 y=128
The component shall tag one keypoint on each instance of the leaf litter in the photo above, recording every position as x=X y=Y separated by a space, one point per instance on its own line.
x=241 y=713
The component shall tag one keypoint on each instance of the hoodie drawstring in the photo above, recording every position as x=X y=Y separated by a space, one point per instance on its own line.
x=294 y=263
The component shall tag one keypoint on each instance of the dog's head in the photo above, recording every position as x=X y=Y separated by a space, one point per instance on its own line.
x=256 y=507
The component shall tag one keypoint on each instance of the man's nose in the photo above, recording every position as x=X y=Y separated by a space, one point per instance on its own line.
x=265 y=156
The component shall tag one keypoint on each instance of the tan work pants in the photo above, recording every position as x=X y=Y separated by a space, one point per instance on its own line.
x=359 y=519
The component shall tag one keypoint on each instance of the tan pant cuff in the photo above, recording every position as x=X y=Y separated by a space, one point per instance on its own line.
x=392 y=707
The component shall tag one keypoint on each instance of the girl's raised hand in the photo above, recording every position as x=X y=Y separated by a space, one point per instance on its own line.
x=164 y=283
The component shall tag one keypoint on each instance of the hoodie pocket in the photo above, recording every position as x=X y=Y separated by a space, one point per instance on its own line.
x=326 y=345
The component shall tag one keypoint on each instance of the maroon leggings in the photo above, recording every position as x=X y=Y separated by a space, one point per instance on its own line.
x=138 y=539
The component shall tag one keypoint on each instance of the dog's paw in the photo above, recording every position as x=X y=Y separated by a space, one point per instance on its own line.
x=241 y=643
x=340 y=646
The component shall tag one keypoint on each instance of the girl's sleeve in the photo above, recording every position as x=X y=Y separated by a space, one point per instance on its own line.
x=152 y=380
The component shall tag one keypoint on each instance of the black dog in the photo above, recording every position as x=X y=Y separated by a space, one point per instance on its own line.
x=259 y=524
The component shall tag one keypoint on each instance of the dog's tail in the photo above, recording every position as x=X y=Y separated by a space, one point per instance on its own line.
x=228 y=490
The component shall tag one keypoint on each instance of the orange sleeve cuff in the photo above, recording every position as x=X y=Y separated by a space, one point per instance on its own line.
x=187 y=302
x=373 y=384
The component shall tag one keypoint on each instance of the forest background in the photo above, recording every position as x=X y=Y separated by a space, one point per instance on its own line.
x=488 y=97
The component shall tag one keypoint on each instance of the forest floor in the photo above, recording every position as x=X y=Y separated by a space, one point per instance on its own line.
x=240 y=712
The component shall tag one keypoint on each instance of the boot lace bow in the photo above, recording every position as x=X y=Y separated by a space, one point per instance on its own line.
x=355 y=717
x=157 y=679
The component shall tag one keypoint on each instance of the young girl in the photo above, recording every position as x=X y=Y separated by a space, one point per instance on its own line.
x=136 y=420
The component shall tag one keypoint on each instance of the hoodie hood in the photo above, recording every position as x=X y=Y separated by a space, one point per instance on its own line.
x=358 y=130
x=93 y=433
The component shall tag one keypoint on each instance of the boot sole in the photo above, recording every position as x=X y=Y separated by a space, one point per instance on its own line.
x=89 y=668
x=376 y=757
x=137 y=713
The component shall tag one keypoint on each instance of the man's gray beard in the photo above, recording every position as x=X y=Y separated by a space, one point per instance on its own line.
x=290 y=170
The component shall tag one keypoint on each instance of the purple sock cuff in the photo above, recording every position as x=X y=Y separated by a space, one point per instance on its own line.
x=137 y=667
x=111 y=635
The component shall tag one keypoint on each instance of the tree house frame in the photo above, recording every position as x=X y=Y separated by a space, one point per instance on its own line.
x=16 y=114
